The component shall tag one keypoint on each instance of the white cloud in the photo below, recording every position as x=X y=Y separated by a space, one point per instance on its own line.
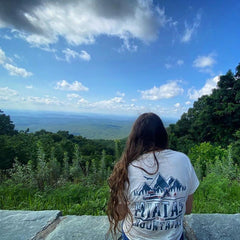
x=190 y=30
x=7 y=93
x=73 y=95
x=168 y=66
x=210 y=84
x=128 y=45
x=29 y=86
x=75 y=86
x=112 y=103
x=82 y=101
x=177 y=105
x=42 y=100
x=16 y=71
x=80 y=22
x=180 y=62
x=204 y=61
x=84 y=56
x=7 y=37
x=168 y=90
x=3 y=57
x=133 y=99
x=71 y=54
x=13 y=70
x=188 y=103
x=120 y=94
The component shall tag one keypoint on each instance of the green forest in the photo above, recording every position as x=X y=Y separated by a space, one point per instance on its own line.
x=45 y=170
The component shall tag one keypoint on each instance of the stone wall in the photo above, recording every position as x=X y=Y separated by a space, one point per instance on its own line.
x=51 y=225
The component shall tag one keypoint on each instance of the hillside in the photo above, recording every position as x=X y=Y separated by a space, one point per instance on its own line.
x=91 y=126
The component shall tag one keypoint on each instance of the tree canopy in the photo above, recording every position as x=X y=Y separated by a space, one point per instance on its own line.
x=6 y=125
x=213 y=118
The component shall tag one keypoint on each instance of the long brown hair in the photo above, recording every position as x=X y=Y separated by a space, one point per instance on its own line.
x=148 y=134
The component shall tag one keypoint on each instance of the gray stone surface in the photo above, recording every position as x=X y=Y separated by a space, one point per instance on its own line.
x=24 y=225
x=80 y=227
x=49 y=225
x=215 y=226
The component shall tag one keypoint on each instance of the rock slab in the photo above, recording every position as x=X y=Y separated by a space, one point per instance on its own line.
x=215 y=226
x=50 y=225
x=25 y=225
x=80 y=227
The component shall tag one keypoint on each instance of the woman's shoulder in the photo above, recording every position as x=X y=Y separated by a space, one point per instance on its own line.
x=169 y=153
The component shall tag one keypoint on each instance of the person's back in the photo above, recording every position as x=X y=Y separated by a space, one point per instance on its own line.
x=157 y=202
x=151 y=186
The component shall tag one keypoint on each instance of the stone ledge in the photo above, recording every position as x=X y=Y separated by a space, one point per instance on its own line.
x=51 y=225
x=23 y=225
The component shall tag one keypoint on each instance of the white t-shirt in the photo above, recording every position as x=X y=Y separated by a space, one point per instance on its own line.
x=157 y=202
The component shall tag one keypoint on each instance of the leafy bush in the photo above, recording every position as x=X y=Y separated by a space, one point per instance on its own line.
x=77 y=199
x=217 y=194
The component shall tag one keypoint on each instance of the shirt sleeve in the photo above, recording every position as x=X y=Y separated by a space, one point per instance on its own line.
x=193 y=180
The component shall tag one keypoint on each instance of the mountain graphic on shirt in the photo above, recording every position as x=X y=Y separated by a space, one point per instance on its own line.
x=145 y=189
x=174 y=184
x=160 y=186
x=160 y=183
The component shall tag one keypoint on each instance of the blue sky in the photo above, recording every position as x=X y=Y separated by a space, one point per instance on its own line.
x=114 y=57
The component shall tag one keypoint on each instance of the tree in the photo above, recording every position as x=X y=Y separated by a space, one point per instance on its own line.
x=76 y=169
x=6 y=125
x=214 y=118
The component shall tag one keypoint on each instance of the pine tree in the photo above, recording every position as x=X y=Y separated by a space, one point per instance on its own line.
x=103 y=165
x=42 y=171
x=54 y=168
x=117 y=154
x=66 y=170
x=75 y=169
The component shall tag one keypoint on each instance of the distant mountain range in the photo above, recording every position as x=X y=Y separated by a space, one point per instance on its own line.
x=92 y=126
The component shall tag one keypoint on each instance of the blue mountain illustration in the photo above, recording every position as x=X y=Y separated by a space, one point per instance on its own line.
x=160 y=183
x=144 y=189
x=175 y=184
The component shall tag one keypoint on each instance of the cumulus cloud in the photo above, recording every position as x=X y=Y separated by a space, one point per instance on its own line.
x=42 y=100
x=188 y=103
x=73 y=95
x=191 y=29
x=110 y=104
x=7 y=37
x=81 y=21
x=13 y=70
x=16 y=71
x=204 y=61
x=177 y=105
x=82 y=101
x=75 y=86
x=3 y=57
x=7 y=93
x=114 y=105
x=168 y=90
x=71 y=54
x=120 y=94
x=210 y=84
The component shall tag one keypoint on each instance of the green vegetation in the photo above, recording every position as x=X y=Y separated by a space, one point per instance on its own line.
x=45 y=170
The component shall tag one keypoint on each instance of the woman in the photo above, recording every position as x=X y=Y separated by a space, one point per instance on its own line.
x=151 y=186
